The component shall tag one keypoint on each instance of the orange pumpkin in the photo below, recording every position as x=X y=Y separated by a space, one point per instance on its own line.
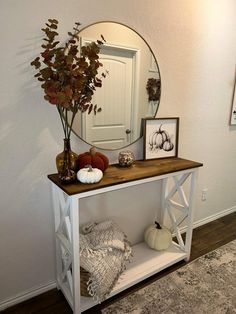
x=93 y=158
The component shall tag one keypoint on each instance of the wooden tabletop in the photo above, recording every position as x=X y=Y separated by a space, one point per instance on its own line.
x=139 y=170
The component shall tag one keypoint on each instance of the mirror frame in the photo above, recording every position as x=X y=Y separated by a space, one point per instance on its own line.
x=158 y=68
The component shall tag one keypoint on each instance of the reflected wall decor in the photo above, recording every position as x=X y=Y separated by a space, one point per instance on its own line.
x=161 y=138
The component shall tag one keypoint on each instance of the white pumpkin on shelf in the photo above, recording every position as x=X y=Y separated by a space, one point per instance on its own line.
x=89 y=175
x=158 y=237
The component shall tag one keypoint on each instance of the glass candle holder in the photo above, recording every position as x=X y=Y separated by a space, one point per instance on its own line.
x=126 y=158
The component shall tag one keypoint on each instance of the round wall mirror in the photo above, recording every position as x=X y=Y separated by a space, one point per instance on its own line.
x=130 y=91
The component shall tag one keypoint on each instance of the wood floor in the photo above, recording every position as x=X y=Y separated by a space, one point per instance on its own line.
x=205 y=239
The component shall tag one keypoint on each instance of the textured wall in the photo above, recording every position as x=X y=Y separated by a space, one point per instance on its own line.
x=194 y=42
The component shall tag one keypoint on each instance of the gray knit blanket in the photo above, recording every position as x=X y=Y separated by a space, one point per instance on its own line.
x=104 y=252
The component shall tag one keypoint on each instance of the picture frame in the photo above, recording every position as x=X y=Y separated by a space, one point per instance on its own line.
x=153 y=65
x=160 y=138
x=233 y=108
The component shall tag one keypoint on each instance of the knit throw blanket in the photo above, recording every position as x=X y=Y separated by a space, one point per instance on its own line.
x=104 y=251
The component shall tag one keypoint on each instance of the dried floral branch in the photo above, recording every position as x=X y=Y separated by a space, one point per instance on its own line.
x=68 y=73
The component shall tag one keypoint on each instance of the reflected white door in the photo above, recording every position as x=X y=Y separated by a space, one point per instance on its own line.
x=110 y=127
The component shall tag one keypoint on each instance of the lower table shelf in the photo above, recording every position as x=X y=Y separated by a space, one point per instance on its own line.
x=176 y=202
x=145 y=262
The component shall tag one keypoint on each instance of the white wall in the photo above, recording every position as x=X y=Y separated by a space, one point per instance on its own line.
x=195 y=46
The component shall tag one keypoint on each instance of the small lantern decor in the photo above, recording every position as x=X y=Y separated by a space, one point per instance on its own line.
x=158 y=237
x=126 y=158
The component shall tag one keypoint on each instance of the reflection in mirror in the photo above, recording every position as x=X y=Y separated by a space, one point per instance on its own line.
x=130 y=92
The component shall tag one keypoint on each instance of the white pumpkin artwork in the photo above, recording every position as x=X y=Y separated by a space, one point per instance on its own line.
x=89 y=175
x=158 y=237
x=160 y=139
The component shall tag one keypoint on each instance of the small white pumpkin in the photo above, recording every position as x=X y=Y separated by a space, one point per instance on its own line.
x=89 y=174
x=158 y=237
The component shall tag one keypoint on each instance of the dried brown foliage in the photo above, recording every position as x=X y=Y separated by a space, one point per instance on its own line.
x=68 y=73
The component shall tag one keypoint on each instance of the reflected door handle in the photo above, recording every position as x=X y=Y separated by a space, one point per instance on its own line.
x=128 y=131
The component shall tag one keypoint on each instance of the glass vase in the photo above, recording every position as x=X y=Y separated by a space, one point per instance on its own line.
x=67 y=163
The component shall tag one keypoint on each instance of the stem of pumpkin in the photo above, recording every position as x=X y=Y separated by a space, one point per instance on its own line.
x=90 y=169
x=92 y=151
x=158 y=226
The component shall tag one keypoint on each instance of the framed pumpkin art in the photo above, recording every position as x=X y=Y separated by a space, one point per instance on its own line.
x=160 y=138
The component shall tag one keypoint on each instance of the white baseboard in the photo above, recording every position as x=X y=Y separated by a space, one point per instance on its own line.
x=214 y=217
x=208 y=219
x=26 y=295
x=51 y=285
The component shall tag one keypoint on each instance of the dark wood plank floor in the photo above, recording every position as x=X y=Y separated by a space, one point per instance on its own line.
x=205 y=239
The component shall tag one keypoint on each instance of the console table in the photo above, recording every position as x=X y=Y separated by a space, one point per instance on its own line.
x=145 y=262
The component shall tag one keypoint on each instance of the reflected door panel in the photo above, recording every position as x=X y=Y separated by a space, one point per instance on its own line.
x=107 y=129
x=123 y=97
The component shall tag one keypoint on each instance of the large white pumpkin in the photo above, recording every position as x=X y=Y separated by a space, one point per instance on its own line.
x=89 y=175
x=158 y=237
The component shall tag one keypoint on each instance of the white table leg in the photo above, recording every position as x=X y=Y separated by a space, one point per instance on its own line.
x=189 y=230
x=74 y=214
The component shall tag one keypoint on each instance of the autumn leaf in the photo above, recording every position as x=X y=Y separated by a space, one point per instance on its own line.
x=53 y=21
